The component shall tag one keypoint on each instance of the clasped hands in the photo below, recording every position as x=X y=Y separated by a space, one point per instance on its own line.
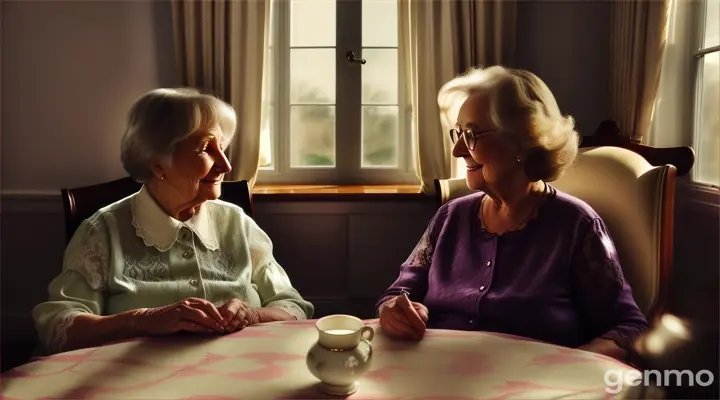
x=403 y=319
x=196 y=315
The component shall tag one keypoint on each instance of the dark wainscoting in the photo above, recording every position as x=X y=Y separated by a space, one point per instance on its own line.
x=341 y=255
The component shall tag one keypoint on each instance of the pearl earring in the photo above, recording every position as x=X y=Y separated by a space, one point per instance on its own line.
x=518 y=159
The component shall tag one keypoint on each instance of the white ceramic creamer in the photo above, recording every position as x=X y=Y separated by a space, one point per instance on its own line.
x=342 y=353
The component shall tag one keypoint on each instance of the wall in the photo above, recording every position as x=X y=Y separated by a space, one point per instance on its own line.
x=66 y=88
x=566 y=44
x=70 y=72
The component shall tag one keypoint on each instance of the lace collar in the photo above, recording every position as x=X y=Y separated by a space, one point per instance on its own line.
x=160 y=230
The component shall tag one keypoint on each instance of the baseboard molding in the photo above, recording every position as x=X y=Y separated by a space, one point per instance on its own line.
x=29 y=193
x=689 y=197
x=30 y=202
x=49 y=202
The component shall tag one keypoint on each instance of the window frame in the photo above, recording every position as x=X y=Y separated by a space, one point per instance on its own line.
x=698 y=58
x=348 y=109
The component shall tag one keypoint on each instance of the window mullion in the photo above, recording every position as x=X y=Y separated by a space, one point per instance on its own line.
x=348 y=90
x=283 y=88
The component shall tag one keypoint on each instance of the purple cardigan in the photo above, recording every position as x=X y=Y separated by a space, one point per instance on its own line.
x=557 y=280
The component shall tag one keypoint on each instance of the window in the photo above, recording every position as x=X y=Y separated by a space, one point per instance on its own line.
x=706 y=132
x=334 y=118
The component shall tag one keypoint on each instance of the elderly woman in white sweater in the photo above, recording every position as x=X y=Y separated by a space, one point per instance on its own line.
x=171 y=257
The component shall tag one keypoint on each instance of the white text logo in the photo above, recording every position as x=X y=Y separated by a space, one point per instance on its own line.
x=616 y=379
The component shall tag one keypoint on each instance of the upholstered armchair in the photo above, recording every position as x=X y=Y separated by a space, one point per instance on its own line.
x=636 y=201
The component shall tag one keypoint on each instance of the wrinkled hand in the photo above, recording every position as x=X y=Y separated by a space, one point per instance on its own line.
x=237 y=315
x=191 y=315
x=605 y=347
x=402 y=319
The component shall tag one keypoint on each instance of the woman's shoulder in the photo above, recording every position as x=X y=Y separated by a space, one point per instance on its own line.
x=572 y=207
x=458 y=206
x=231 y=221
x=455 y=212
x=226 y=210
x=95 y=229
x=462 y=203
x=115 y=209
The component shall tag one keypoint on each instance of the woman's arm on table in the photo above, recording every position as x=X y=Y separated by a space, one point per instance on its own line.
x=413 y=276
x=68 y=325
x=71 y=319
x=604 y=297
x=280 y=300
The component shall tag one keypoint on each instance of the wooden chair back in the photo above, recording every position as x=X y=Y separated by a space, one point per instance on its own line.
x=608 y=134
x=82 y=202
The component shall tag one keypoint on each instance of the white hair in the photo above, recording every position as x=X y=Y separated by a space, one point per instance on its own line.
x=523 y=107
x=161 y=118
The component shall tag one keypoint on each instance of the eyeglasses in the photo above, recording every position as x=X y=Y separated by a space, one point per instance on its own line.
x=468 y=135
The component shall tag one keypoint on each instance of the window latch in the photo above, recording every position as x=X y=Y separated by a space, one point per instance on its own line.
x=350 y=55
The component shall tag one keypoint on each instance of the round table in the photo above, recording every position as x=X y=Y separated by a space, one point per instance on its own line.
x=267 y=361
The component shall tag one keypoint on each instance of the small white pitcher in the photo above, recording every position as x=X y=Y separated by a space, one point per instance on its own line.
x=342 y=353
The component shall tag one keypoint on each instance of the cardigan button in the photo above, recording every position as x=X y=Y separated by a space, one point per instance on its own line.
x=194 y=282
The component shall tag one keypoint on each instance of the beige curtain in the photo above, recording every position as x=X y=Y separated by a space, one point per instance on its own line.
x=221 y=47
x=486 y=32
x=637 y=37
x=438 y=40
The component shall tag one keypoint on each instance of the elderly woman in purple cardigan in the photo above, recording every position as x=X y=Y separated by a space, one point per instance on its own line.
x=518 y=256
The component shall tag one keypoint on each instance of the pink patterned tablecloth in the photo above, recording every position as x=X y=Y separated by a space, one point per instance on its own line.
x=268 y=362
